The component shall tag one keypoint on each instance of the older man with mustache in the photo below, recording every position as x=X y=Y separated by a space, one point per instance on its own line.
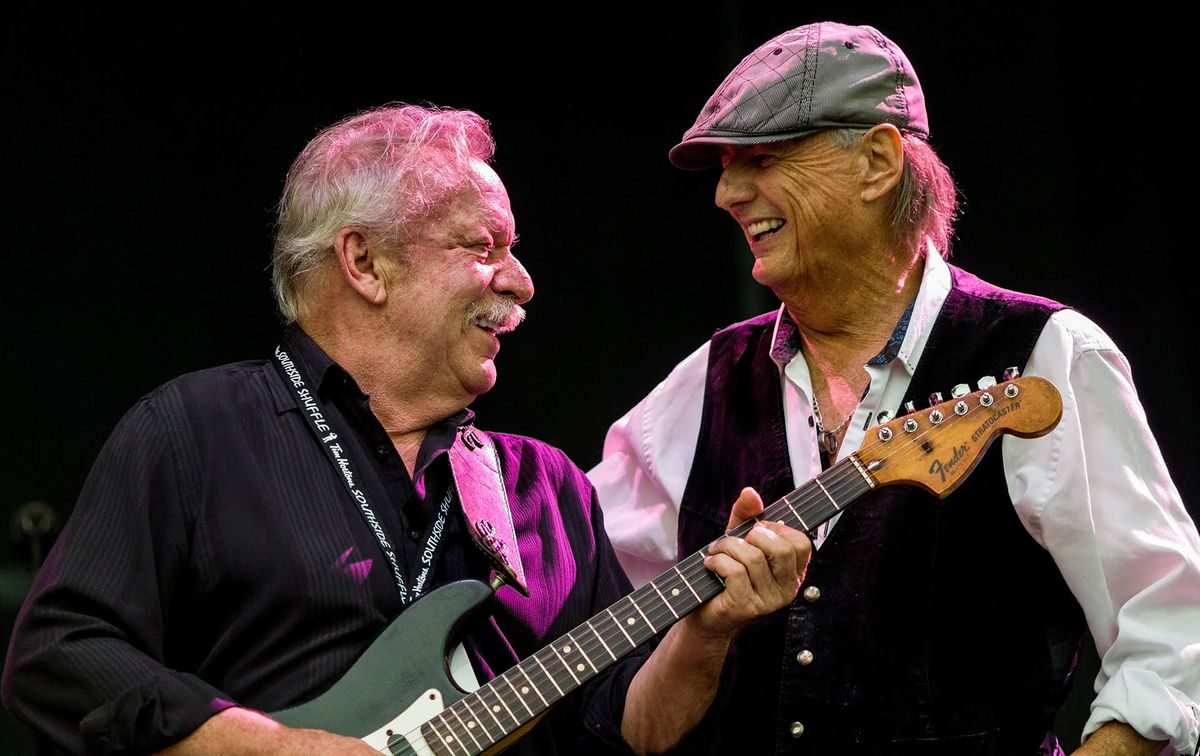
x=248 y=530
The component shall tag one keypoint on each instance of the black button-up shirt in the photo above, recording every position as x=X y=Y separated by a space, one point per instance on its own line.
x=215 y=556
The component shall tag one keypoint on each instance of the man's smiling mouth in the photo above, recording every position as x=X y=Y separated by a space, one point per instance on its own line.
x=759 y=230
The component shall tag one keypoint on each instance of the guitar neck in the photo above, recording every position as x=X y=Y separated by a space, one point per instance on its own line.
x=934 y=450
x=484 y=718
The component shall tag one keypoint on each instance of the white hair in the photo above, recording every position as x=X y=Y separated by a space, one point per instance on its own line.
x=386 y=171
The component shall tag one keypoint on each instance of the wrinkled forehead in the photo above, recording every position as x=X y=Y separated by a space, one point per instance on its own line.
x=492 y=197
x=481 y=199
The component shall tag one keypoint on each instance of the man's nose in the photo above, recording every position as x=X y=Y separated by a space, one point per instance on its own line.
x=512 y=280
x=733 y=188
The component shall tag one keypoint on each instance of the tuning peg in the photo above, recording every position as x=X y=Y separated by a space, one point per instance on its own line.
x=959 y=391
x=986 y=382
x=1012 y=373
x=909 y=408
x=935 y=398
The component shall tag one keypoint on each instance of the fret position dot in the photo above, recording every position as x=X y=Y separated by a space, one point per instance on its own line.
x=450 y=739
x=674 y=591
x=471 y=725
x=524 y=690
x=496 y=709
x=631 y=620
x=566 y=649
x=579 y=667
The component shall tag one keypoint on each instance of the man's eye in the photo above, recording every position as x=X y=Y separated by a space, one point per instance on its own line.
x=758 y=161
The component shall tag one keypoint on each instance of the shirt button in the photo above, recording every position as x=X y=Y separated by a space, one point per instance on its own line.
x=382 y=451
x=805 y=657
x=414 y=535
x=812 y=593
x=796 y=729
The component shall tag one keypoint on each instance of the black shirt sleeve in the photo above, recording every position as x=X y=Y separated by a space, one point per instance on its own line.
x=86 y=662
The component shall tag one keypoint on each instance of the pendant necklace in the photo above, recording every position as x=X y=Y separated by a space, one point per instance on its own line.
x=828 y=438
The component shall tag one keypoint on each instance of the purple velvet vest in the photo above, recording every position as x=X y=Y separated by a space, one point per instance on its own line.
x=941 y=627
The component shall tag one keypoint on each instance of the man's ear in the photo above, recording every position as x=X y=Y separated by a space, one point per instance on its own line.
x=361 y=265
x=883 y=153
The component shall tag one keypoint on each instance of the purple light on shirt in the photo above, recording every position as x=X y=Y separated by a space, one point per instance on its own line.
x=357 y=570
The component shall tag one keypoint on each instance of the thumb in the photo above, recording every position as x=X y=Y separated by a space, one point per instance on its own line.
x=749 y=504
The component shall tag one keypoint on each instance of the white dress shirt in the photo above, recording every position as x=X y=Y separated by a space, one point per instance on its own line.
x=1094 y=492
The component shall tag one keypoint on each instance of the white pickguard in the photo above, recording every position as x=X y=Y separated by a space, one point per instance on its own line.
x=408 y=723
x=426 y=707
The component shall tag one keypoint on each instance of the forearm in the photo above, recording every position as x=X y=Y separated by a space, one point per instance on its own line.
x=688 y=664
x=1119 y=739
x=242 y=732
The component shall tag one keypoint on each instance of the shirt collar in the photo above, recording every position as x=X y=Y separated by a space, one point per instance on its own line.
x=910 y=333
x=331 y=380
x=318 y=367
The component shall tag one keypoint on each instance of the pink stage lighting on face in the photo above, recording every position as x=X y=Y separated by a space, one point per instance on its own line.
x=357 y=570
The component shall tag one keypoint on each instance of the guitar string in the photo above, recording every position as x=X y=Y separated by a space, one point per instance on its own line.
x=847 y=473
x=845 y=477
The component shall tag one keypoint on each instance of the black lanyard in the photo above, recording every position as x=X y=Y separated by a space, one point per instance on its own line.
x=310 y=408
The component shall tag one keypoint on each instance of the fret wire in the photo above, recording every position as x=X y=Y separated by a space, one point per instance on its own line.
x=602 y=643
x=488 y=708
x=664 y=598
x=537 y=678
x=850 y=486
x=465 y=727
x=500 y=698
x=579 y=647
x=611 y=638
x=639 y=611
x=450 y=740
x=518 y=695
x=685 y=582
x=813 y=502
x=428 y=731
x=803 y=524
x=549 y=676
x=621 y=627
x=565 y=665
x=521 y=668
x=465 y=702
x=832 y=500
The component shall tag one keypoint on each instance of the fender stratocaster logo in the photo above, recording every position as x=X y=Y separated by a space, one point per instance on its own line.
x=947 y=468
x=992 y=420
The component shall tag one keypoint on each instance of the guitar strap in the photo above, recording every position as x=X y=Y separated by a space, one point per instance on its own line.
x=484 y=500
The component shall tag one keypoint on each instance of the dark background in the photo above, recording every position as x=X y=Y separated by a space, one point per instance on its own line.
x=142 y=162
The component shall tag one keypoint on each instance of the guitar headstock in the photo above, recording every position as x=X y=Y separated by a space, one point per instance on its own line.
x=936 y=448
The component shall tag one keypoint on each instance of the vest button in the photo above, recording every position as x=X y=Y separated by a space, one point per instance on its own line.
x=812 y=593
x=796 y=729
x=805 y=657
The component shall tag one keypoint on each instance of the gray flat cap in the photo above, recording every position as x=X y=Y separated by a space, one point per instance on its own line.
x=814 y=77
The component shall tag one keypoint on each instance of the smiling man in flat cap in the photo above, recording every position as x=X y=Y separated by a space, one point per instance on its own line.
x=923 y=626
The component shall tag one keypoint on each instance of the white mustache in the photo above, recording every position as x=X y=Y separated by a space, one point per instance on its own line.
x=499 y=314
